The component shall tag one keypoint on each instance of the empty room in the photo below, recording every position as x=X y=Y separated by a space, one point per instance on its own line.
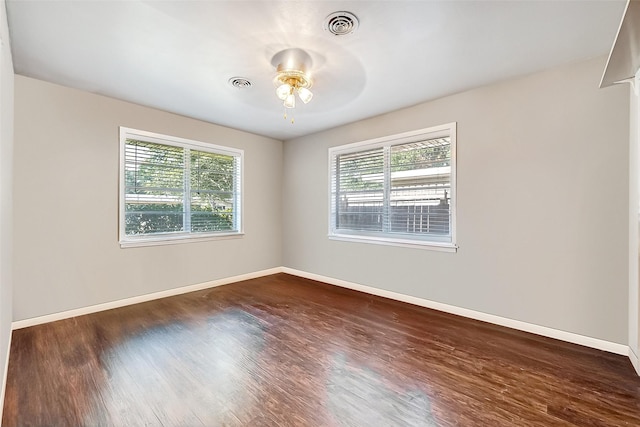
x=319 y=213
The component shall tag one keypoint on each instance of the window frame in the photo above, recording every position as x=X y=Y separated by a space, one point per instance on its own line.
x=127 y=241
x=398 y=239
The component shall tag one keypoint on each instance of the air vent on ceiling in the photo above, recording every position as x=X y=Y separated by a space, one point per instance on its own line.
x=239 y=82
x=341 y=23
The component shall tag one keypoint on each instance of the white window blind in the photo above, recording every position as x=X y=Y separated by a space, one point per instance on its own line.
x=397 y=189
x=172 y=188
x=359 y=190
x=213 y=192
x=154 y=190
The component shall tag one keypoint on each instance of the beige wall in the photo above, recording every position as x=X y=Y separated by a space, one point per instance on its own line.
x=634 y=216
x=66 y=204
x=6 y=180
x=542 y=204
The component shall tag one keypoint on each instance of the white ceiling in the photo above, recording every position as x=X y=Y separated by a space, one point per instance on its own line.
x=179 y=55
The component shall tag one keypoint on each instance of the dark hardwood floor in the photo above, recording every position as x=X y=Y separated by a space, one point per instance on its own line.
x=286 y=351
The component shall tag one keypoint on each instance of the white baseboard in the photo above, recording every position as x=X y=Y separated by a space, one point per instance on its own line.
x=472 y=314
x=19 y=324
x=4 y=377
x=634 y=360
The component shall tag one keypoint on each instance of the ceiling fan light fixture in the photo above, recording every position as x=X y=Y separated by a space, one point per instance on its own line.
x=292 y=77
x=290 y=83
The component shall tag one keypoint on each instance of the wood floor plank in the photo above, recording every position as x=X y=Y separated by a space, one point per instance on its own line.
x=286 y=351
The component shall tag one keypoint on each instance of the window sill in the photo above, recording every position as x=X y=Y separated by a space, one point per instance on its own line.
x=416 y=244
x=176 y=240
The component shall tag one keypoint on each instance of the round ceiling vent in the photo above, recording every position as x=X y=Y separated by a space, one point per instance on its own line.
x=240 y=82
x=341 y=23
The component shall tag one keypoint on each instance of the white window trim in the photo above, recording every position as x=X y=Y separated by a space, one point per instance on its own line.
x=174 y=238
x=448 y=129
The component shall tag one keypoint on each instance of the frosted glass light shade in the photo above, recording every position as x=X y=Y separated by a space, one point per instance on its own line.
x=290 y=101
x=283 y=91
x=305 y=95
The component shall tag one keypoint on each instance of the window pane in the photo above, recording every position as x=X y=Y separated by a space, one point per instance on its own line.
x=420 y=187
x=174 y=189
x=398 y=190
x=359 y=190
x=154 y=176
x=153 y=218
x=213 y=180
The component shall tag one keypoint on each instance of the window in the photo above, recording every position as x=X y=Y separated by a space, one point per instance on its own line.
x=396 y=190
x=172 y=189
